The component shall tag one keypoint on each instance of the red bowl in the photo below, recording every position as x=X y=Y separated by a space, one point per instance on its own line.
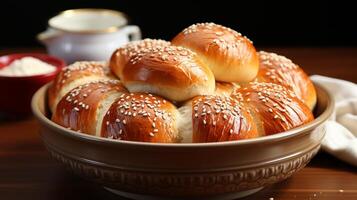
x=16 y=92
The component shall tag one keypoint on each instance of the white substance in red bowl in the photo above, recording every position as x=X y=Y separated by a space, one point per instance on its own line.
x=27 y=66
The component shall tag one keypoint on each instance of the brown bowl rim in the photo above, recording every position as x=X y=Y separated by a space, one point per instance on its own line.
x=266 y=139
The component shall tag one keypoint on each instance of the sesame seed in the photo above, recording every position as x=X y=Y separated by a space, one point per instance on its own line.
x=151 y=134
x=219 y=33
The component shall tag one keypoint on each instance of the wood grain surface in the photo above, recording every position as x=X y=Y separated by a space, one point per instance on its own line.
x=27 y=171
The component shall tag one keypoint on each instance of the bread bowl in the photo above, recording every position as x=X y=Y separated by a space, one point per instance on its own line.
x=192 y=170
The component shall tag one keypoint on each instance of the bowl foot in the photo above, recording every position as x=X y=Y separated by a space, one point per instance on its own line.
x=227 y=196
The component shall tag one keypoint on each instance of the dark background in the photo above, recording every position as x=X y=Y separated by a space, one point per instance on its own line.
x=267 y=23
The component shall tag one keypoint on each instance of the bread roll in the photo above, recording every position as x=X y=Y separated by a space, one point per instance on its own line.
x=281 y=70
x=123 y=54
x=83 y=108
x=172 y=72
x=276 y=109
x=141 y=117
x=75 y=75
x=217 y=118
x=231 y=56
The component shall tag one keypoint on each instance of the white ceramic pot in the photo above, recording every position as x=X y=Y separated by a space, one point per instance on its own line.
x=87 y=34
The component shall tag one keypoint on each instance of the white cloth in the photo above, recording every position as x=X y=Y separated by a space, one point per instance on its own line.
x=341 y=129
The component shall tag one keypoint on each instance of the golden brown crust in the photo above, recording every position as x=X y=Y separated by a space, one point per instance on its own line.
x=217 y=118
x=141 y=117
x=231 y=56
x=281 y=70
x=123 y=54
x=78 y=109
x=275 y=108
x=169 y=71
x=76 y=71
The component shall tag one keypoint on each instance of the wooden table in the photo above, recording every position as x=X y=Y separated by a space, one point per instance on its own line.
x=27 y=171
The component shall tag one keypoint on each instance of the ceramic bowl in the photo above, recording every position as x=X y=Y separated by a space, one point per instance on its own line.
x=16 y=92
x=224 y=170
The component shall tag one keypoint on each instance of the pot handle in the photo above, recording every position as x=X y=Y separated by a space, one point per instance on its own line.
x=133 y=32
x=48 y=35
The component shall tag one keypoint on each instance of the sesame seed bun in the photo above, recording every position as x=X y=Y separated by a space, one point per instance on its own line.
x=231 y=56
x=278 y=69
x=175 y=73
x=217 y=118
x=73 y=76
x=123 y=54
x=141 y=117
x=83 y=108
x=274 y=108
